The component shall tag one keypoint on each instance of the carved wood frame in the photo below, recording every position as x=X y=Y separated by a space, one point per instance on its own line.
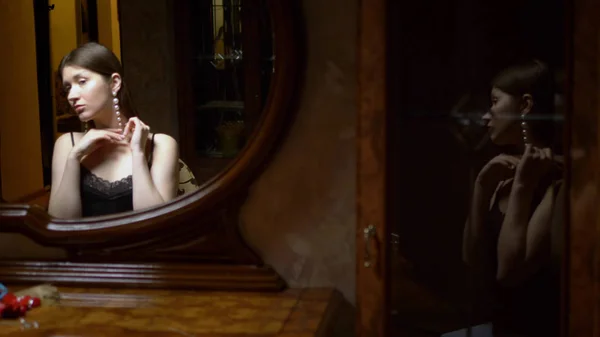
x=581 y=265
x=190 y=242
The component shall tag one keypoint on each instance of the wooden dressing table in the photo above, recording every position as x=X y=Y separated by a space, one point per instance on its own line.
x=96 y=312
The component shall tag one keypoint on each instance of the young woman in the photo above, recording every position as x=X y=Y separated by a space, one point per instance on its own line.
x=118 y=165
x=508 y=235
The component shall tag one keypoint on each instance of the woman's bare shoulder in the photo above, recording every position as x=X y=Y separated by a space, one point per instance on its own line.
x=164 y=140
x=67 y=139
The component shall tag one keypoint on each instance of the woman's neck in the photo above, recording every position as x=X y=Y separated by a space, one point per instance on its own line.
x=108 y=120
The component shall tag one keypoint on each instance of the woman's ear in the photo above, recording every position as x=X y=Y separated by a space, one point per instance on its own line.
x=115 y=82
x=526 y=104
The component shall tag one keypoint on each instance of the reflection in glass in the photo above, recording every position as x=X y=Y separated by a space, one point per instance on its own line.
x=507 y=237
x=229 y=63
x=475 y=219
x=116 y=165
x=232 y=68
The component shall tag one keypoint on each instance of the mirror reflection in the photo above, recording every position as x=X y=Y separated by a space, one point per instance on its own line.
x=116 y=164
x=507 y=240
x=478 y=167
x=231 y=61
x=127 y=128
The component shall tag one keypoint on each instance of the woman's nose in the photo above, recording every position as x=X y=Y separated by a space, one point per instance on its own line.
x=73 y=95
x=487 y=116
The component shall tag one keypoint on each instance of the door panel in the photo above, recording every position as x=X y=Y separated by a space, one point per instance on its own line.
x=582 y=244
x=371 y=254
x=421 y=146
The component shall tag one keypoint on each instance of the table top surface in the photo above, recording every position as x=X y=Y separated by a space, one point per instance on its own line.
x=110 y=312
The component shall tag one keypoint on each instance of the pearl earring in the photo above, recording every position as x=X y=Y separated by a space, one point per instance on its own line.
x=117 y=109
x=524 y=128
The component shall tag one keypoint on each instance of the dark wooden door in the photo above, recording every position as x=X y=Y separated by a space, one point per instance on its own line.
x=382 y=68
x=372 y=262
x=581 y=263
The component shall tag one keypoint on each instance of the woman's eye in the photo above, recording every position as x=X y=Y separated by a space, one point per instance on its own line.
x=82 y=82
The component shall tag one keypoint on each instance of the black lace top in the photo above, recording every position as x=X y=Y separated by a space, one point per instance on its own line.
x=102 y=197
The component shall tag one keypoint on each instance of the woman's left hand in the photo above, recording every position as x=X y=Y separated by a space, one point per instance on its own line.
x=534 y=164
x=137 y=132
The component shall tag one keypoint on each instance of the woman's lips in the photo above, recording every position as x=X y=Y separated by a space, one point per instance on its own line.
x=79 y=108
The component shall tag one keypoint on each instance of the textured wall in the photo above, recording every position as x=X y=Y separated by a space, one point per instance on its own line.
x=148 y=58
x=300 y=215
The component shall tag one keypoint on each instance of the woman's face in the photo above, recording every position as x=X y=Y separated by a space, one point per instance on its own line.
x=504 y=118
x=88 y=92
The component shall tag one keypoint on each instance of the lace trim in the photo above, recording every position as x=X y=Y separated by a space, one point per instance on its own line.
x=108 y=188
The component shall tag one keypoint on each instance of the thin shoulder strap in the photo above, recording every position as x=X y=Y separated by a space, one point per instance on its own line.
x=151 y=150
x=72 y=140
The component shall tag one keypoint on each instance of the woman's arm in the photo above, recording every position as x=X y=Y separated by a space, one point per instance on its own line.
x=154 y=186
x=65 y=199
x=524 y=242
x=477 y=237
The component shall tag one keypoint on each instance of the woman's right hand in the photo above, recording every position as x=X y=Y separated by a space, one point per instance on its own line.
x=94 y=139
x=501 y=167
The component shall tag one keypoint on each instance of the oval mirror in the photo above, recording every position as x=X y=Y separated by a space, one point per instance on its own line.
x=229 y=68
x=204 y=74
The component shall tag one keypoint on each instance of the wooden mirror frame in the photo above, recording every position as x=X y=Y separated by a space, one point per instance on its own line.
x=190 y=242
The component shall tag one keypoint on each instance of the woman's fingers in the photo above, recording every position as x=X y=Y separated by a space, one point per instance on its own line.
x=114 y=136
x=528 y=150
x=128 y=127
x=133 y=125
x=548 y=153
x=135 y=129
x=139 y=128
x=513 y=160
x=510 y=160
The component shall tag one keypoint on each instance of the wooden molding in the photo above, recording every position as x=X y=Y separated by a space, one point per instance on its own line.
x=581 y=266
x=142 y=275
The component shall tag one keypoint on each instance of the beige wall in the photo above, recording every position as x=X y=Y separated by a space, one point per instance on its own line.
x=19 y=119
x=115 y=28
x=19 y=109
x=63 y=30
x=300 y=214
x=108 y=25
x=105 y=35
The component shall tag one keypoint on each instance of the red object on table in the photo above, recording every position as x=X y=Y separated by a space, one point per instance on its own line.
x=9 y=298
x=12 y=306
